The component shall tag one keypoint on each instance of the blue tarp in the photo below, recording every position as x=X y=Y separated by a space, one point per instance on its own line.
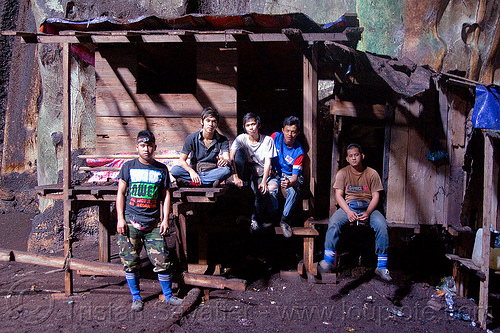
x=486 y=113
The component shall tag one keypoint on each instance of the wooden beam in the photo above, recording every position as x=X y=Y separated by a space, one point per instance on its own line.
x=350 y=109
x=216 y=282
x=204 y=268
x=215 y=38
x=455 y=105
x=97 y=268
x=489 y=217
x=110 y=39
x=337 y=126
x=54 y=39
x=5 y=255
x=310 y=110
x=89 y=267
x=308 y=244
x=319 y=37
x=30 y=258
x=299 y=231
x=187 y=305
x=467 y=262
x=269 y=37
x=68 y=277
x=161 y=38
x=165 y=36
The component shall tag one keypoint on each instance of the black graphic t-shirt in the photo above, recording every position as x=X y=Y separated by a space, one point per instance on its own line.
x=146 y=183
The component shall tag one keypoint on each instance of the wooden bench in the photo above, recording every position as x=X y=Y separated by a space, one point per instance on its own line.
x=307 y=267
x=462 y=270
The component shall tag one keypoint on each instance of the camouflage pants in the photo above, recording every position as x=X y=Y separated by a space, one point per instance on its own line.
x=131 y=245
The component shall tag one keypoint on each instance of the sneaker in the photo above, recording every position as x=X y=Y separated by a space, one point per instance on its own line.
x=181 y=182
x=254 y=225
x=287 y=230
x=137 y=305
x=324 y=267
x=383 y=273
x=175 y=301
x=216 y=183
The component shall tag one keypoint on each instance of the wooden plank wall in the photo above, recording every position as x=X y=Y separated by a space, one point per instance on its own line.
x=420 y=192
x=455 y=189
x=121 y=112
x=396 y=182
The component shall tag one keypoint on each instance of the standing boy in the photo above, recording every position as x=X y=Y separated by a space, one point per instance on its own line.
x=143 y=185
x=251 y=154
x=289 y=168
x=209 y=164
x=357 y=191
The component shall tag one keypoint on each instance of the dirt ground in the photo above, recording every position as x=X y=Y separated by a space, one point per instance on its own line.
x=32 y=301
x=32 y=298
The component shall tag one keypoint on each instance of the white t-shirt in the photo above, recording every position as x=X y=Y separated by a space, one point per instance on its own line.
x=258 y=152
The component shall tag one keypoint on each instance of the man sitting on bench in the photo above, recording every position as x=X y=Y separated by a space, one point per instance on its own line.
x=289 y=166
x=209 y=155
x=357 y=192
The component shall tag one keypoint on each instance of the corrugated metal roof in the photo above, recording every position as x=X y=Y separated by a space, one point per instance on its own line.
x=252 y=22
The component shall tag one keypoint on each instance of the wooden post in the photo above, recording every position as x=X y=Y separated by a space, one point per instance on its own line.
x=179 y=210
x=337 y=127
x=104 y=215
x=456 y=178
x=490 y=201
x=68 y=276
x=310 y=103
x=308 y=249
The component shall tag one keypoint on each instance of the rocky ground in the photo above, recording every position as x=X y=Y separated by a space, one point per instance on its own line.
x=32 y=298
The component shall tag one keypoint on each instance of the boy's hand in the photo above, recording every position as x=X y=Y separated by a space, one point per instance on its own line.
x=195 y=177
x=363 y=216
x=285 y=183
x=263 y=187
x=237 y=181
x=222 y=161
x=121 y=226
x=164 y=227
x=352 y=216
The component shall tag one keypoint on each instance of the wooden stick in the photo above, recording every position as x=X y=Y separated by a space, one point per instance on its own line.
x=5 y=255
x=89 y=267
x=192 y=296
x=97 y=268
x=216 y=282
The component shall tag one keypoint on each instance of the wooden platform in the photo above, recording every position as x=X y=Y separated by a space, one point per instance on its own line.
x=103 y=195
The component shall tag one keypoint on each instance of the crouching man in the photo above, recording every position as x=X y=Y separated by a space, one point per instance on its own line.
x=357 y=191
x=143 y=184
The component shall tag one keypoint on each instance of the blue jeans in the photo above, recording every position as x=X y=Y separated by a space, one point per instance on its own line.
x=292 y=194
x=377 y=222
x=207 y=177
x=264 y=203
